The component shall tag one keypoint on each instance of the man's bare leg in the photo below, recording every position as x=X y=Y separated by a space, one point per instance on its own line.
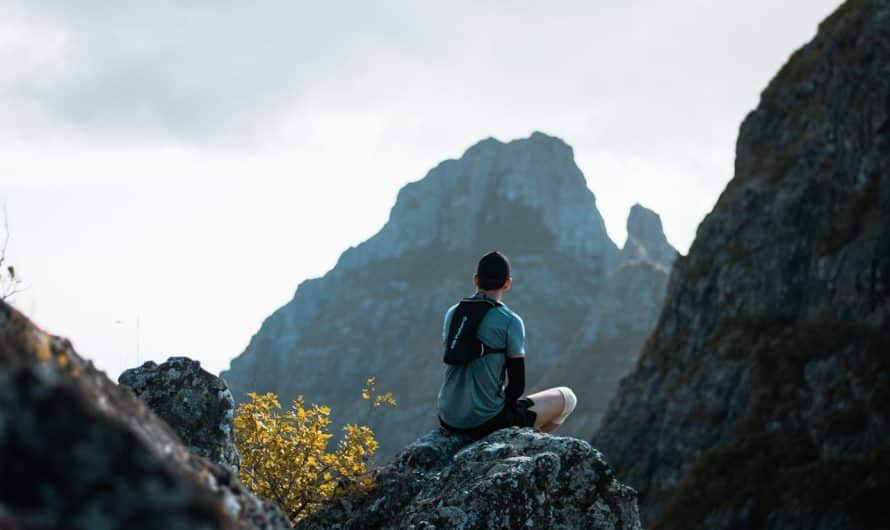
x=550 y=407
x=550 y=427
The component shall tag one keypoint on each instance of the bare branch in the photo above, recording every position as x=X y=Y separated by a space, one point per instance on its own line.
x=5 y=234
x=9 y=283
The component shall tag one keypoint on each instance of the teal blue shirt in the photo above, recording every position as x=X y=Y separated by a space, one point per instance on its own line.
x=474 y=393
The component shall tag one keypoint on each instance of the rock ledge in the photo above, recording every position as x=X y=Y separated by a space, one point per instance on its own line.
x=514 y=478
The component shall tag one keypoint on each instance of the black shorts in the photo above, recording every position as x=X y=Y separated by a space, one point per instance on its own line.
x=515 y=413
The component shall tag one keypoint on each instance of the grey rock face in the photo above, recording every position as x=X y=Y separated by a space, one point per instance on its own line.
x=761 y=398
x=606 y=346
x=79 y=452
x=379 y=311
x=195 y=403
x=514 y=478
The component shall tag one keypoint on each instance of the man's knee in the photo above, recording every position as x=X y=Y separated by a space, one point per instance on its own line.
x=569 y=401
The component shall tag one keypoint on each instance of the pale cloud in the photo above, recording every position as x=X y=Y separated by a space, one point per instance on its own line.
x=160 y=151
x=640 y=75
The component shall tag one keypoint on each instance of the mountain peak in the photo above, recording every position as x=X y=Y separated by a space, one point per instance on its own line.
x=643 y=223
x=527 y=195
x=645 y=238
x=483 y=145
x=538 y=136
x=536 y=140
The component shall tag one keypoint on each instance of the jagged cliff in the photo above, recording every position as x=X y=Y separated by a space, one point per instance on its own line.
x=762 y=398
x=379 y=311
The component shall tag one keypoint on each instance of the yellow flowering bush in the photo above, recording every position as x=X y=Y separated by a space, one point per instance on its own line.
x=369 y=394
x=284 y=453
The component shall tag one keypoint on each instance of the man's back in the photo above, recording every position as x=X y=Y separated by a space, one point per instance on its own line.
x=474 y=393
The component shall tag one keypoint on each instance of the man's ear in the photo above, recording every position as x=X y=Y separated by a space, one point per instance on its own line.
x=476 y=281
x=508 y=283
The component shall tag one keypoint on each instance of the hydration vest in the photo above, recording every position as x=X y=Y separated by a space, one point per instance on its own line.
x=462 y=345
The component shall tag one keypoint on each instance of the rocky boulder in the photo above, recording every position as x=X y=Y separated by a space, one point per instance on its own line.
x=514 y=478
x=195 y=403
x=79 y=452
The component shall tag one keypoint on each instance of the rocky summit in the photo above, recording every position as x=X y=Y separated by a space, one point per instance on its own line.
x=378 y=312
x=514 y=478
x=79 y=452
x=645 y=239
x=762 y=398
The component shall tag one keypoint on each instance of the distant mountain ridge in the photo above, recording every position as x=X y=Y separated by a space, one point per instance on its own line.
x=379 y=311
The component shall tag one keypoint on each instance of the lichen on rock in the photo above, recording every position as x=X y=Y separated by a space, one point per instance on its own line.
x=79 y=452
x=514 y=478
x=762 y=397
x=195 y=403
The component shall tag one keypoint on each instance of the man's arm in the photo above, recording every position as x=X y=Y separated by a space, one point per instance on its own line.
x=515 y=359
x=515 y=378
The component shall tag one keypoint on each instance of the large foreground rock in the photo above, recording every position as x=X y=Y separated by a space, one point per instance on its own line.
x=514 y=478
x=81 y=453
x=194 y=402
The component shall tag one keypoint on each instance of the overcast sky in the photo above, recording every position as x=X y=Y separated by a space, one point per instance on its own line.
x=184 y=165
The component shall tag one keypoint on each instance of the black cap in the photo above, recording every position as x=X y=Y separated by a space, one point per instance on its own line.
x=493 y=270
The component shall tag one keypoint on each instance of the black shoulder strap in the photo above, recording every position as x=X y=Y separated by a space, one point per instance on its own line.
x=461 y=344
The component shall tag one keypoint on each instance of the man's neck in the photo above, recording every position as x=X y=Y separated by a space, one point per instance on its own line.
x=494 y=295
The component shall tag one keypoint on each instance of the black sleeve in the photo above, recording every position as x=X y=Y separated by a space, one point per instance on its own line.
x=515 y=377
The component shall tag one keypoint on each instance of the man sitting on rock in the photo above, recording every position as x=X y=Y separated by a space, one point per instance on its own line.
x=484 y=341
